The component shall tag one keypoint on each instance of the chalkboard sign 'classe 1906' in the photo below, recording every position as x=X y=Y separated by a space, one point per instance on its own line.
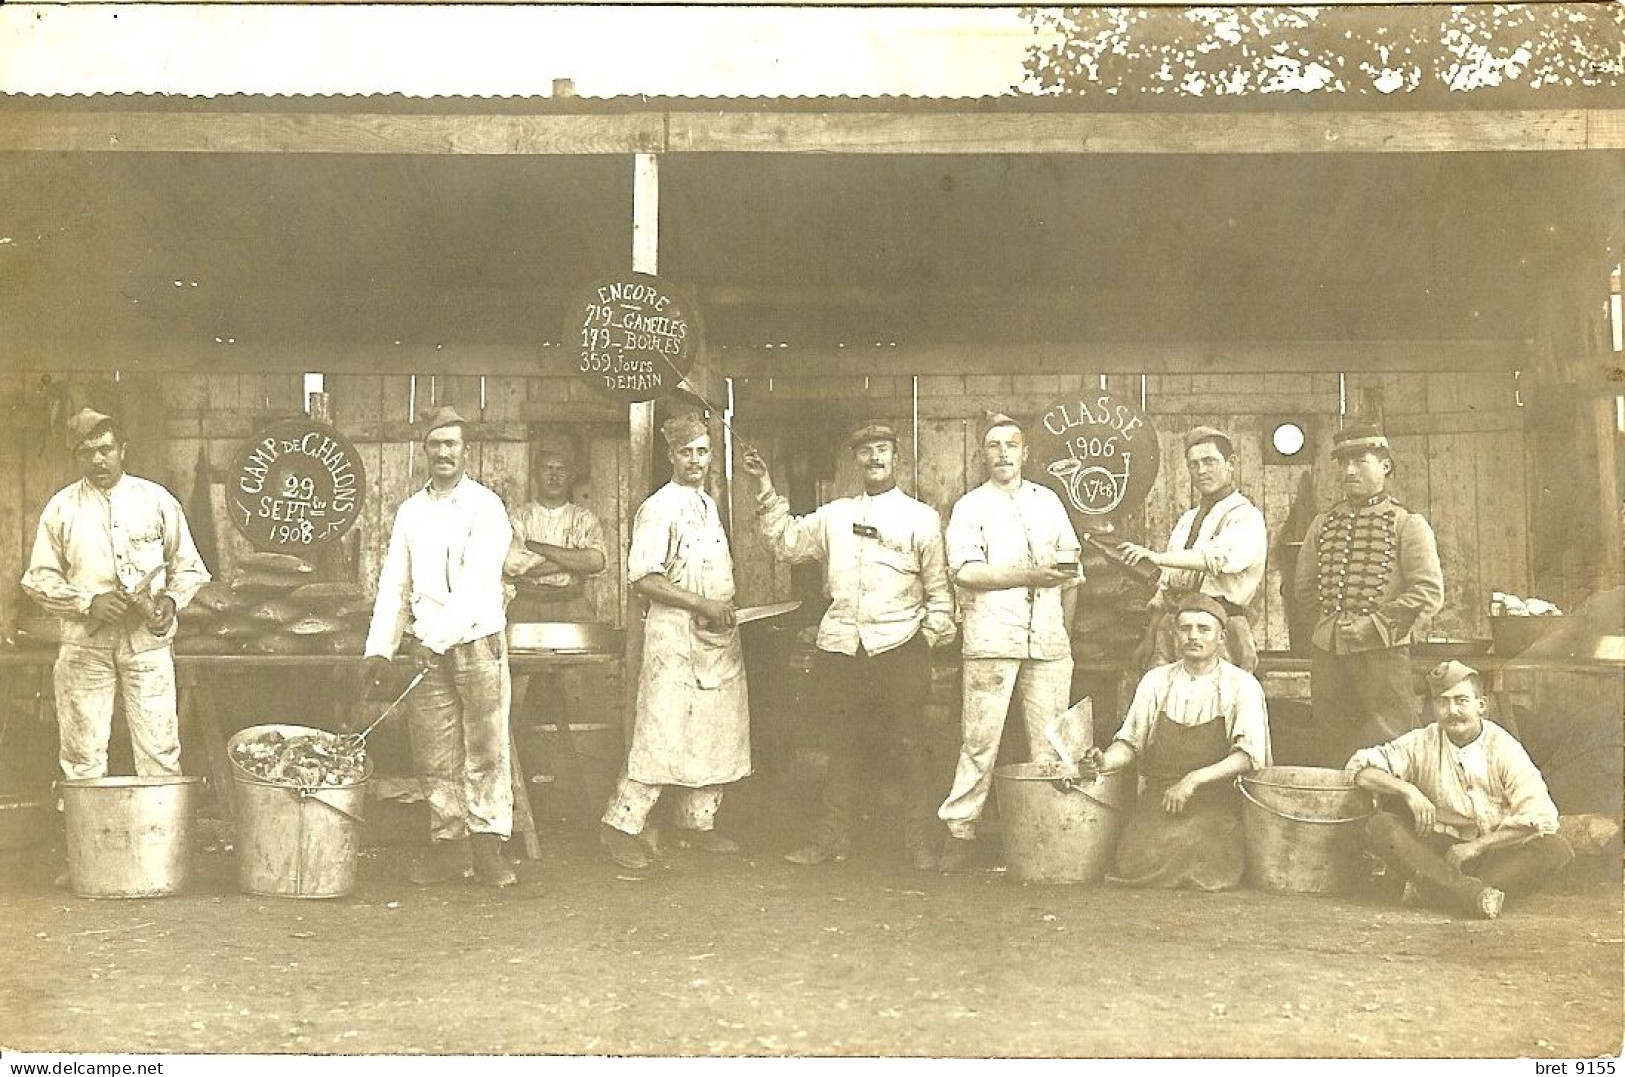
x=633 y=338
x=296 y=487
x=1099 y=452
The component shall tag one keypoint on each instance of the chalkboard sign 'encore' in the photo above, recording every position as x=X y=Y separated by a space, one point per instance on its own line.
x=296 y=487
x=1099 y=452
x=634 y=338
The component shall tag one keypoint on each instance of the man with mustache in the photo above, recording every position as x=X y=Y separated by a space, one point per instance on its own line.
x=1216 y=549
x=1370 y=572
x=691 y=727
x=114 y=560
x=442 y=577
x=1463 y=816
x=1195 y=725
x=1014 y=555
x=890 y=606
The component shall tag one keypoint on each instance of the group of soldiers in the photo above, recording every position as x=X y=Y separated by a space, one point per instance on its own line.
x=1464 y=815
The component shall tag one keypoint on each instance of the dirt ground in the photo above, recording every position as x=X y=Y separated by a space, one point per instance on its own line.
x=753 y=956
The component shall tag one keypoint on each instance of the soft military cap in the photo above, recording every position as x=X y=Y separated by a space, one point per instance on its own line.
x=682 y=429
x=872 y=430
x=1200 y=603
x=1446 y=675
x=85 y=425
x=1197 y=435
x=444 y=416
x=1359 y=438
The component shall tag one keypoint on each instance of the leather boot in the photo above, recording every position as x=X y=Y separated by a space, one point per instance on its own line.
x=489 y=867
x=707 y=841
x=956 y=855
x=445 y=859
x=623 y=848
x=921 y=845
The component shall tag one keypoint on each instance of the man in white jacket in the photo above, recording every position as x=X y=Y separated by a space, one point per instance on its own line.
x=443 y=577
x=114 y=560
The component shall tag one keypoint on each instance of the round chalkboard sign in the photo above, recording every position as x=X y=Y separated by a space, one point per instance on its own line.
x=1098 y=451
x=295 y=487
x=634 y=337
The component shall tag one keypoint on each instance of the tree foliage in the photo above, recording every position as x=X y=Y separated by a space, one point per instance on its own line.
x=1355 y=51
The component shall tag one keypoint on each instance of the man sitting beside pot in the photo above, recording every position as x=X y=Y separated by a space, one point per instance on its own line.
x=1195 y=726
x=1476 y=802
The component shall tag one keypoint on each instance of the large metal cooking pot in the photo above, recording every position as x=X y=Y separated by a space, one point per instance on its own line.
x=567 y=637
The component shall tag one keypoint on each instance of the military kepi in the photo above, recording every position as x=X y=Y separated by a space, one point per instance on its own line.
x=1359 y=438
x=1446 y=675
x=871 y=430
x=85 y=425
x=444 y=416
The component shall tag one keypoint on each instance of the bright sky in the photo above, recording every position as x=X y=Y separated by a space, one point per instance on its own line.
x=489 y=50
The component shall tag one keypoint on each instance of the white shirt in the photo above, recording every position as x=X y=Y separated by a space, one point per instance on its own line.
x=444 y=567
x=1173 y=693
x=883 y=588
x=91 y=541
x=1491 y=781
x=1233 y=542
x=570 y=526
x=1026 y=527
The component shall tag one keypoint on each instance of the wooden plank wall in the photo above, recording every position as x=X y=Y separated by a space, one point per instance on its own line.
x=1458 y=442
x=1459 y=445
x=183 y=416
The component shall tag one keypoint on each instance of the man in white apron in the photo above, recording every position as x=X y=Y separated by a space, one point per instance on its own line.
x=692 y=724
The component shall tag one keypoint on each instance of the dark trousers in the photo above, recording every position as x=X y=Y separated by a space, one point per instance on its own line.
x=1361 y=699
x=874 y=709
x=1514 y=870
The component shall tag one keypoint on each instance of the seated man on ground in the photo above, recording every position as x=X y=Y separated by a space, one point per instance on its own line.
x=1195 y=725
x=1482 y=825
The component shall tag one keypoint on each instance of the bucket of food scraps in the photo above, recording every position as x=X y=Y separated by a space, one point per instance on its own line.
x=300 y=794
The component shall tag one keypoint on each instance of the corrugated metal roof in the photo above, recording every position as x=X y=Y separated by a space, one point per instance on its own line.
x=1513 y=98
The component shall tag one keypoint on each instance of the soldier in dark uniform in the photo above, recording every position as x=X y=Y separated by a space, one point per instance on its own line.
x=1370 y=573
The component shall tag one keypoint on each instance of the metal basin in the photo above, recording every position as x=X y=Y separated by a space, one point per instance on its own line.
x=566 y=637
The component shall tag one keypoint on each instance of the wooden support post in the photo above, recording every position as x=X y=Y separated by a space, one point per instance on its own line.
x=640 y=417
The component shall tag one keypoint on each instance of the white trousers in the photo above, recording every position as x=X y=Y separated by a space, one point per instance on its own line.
x=86 y=675
x=987 y=685
x=695 y=809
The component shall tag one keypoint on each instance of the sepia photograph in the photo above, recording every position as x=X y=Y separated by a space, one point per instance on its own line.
x=830 y=531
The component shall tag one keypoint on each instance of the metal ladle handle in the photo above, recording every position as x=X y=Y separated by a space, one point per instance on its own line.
x=361 y=737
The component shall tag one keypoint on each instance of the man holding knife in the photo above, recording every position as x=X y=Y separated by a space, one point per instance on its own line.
x=887 y=579
x=691 y=728
x=114 y=560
